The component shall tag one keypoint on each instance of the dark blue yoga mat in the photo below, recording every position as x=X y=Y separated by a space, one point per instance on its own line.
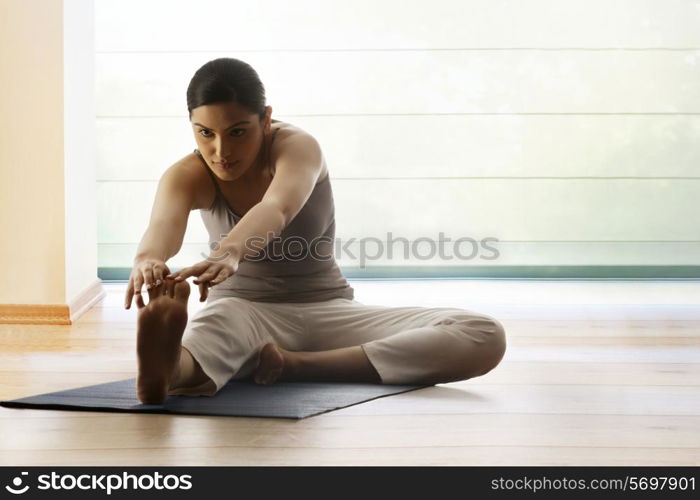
x=235 y=399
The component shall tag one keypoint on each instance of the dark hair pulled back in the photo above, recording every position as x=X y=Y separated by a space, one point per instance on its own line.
x=227 y=80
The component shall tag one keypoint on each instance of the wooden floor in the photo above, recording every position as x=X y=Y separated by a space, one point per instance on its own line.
x=573 y=389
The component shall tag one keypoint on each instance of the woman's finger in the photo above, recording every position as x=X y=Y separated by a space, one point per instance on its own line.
x=208 y=276
x=203 y=291
x=159 y=273
x=139 y=301
x=148 y=277
x=223 y=274
x=138 y=283
x=129 y=294
x=184 y=273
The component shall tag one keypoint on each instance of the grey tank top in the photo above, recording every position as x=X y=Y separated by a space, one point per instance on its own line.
x=297 y=266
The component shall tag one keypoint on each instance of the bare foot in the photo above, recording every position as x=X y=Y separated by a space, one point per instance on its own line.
x=273 y=363
x=161 y=324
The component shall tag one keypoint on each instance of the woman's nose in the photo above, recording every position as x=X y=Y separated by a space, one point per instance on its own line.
x=222 y=151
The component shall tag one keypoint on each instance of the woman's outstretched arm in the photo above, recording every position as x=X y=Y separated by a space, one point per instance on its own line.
x=166 y=230
x=297 y=170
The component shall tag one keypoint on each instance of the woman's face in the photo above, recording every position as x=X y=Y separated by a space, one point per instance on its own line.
x=229 y=133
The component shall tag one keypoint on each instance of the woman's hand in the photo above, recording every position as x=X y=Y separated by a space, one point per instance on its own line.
x=208 y=273
x=149 y=272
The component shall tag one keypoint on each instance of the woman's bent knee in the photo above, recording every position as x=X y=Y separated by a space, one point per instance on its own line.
x=486 y=346
x=494 y=348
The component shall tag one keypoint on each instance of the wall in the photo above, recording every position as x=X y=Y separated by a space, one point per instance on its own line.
x=31 y=152
x=48 y=218
x=80 y=146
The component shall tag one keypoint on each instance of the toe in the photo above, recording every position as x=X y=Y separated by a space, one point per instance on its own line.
x=182 y=290
x=154 y=292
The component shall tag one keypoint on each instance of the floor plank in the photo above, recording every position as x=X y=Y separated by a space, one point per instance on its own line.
x=446 y=456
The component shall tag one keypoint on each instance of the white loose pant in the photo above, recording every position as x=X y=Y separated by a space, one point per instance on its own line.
x=406 y=345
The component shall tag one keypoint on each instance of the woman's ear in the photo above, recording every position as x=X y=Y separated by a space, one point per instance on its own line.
x=268 y=119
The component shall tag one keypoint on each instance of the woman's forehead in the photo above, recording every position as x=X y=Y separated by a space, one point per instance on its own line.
x=221 y=114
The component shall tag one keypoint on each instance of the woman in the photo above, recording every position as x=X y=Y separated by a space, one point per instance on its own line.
x=273 y=314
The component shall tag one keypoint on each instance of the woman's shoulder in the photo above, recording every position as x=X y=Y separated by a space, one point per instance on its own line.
x=284 y=135
x=191 y=170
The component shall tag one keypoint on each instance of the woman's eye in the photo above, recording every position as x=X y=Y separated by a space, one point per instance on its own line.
x=242 y=130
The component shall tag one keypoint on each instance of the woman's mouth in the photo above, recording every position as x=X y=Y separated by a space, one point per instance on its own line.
x=226 y=166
